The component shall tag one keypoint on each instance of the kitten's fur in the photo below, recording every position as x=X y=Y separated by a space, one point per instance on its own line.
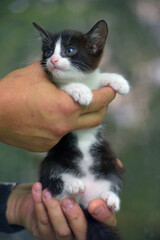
x=82 y=165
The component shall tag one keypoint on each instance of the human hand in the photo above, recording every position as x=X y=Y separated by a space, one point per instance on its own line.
x=35 y=114
x=45 y=218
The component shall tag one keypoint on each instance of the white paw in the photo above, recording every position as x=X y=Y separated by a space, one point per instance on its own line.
x=117 y=82
x=75 y=187
x=79 y=92
x=112 y=200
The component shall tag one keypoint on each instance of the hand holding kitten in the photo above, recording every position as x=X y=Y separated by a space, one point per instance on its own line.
x=35 y=114
x=26 y=208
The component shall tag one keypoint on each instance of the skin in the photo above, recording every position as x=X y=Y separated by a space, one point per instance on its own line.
x=35 y=114
x=44 y=217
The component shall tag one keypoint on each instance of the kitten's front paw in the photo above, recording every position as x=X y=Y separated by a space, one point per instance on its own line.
x=75 y=187
x=112 y=200
x=117 y=82
x=79 y=92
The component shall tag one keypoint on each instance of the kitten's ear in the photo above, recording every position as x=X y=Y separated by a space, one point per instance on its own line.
x=43 y=33
x=97 y=36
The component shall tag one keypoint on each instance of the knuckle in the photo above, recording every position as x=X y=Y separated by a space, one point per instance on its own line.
x=68 y=109
x=64 y=232
x=98 y=120
x=62 y=127
x=54 y=205
x=100 y=115
x=75 y=217
x=60 y=130
x=44 y=220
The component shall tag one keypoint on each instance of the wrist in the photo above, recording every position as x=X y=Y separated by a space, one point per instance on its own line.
x=15 y=204
x=5 y=226
x=11 y=208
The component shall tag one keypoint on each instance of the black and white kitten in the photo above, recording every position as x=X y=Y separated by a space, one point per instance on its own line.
x=82 y=165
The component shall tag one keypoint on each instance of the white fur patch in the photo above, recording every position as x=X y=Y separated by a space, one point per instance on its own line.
x=57 y=51
x=86 y=137
x=73 y=187
x=115 y=81
x=94 y=189
x=112 y=200
x=80 y=93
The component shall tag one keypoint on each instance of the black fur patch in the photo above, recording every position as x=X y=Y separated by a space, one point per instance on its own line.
x=55 y=186
x=105 y=164
x=62 y=158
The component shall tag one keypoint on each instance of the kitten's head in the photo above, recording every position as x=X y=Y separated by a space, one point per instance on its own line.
x=71 y=53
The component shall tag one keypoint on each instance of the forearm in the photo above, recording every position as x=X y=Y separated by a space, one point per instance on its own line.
x=3 y=109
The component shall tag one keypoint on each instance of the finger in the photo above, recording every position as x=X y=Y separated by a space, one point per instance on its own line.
x=119 y=163
x=43 y=225
x=56 y=216
x=90 y=120
x=75 y=217
x=98 y=209
x=101 y=98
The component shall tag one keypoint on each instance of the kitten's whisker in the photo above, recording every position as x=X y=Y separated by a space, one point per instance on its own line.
x=83 y=65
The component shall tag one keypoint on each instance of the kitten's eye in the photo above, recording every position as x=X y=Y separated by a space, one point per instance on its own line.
x=48 y=53
x=71 y=51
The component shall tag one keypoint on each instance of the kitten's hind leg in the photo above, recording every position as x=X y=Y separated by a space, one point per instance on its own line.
x=73 y=186
x=115 y=81
x=112 y=200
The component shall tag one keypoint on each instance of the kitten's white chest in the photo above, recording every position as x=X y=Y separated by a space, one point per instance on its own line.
x=85 y=139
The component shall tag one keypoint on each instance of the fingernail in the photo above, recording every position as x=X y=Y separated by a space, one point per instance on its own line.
x=68 y=203
x=37 y=188
x=99 y=211
x=47 y=194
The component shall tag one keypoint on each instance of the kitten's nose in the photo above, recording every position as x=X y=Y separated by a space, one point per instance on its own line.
x=54 y=60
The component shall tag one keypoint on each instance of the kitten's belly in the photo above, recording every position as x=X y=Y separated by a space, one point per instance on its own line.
x=94 y=189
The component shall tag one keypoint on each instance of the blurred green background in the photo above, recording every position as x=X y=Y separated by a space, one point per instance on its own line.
x=132 y=123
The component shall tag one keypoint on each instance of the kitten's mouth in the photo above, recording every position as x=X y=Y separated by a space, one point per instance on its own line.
x=57 y=68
